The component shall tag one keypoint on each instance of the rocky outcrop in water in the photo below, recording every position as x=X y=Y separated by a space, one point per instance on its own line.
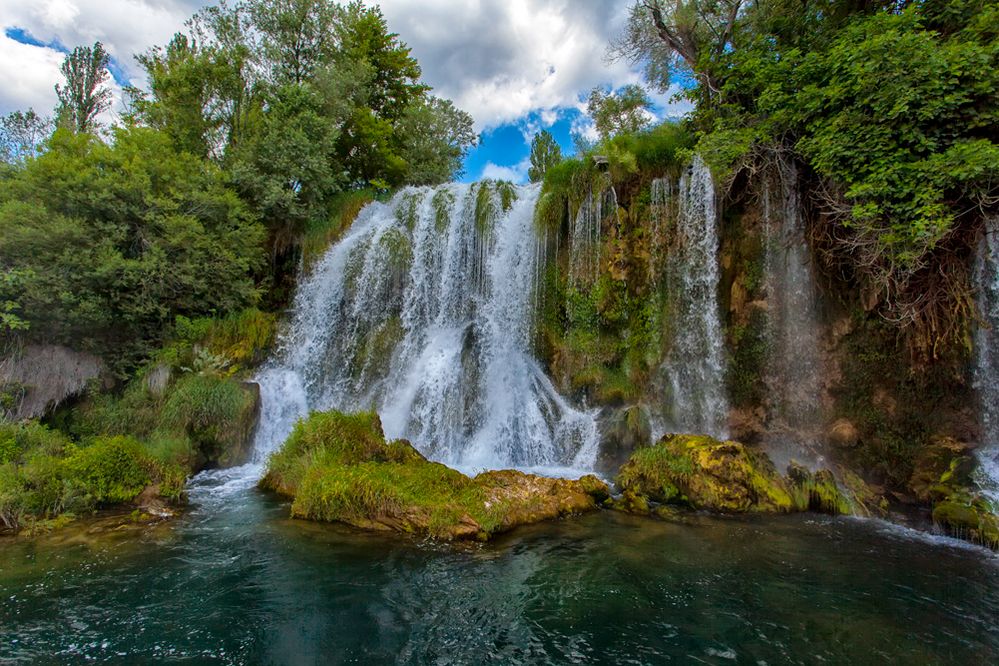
x=700 y=472
x=340 y=468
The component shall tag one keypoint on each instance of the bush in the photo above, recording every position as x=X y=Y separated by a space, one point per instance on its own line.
x=111 y=470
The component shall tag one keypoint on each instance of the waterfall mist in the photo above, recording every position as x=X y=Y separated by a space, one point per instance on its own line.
x=794 y=372
x=987 y=358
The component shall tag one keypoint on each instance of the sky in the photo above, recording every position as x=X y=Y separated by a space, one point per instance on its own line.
x=518 y=66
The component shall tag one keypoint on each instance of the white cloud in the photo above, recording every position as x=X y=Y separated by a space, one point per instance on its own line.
x=497 y=59
x=27 y=76
x=501 y=60
x=515 y=174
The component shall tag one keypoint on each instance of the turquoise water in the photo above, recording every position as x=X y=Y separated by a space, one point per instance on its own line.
x=235 y=581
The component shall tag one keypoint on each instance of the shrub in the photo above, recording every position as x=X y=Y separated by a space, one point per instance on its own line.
x=111 y=470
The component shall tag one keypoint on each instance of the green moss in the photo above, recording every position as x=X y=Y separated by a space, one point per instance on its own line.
x=442 y=202
x=968 y=517
x=407 y=209
x=744 y=373
x=343 y=211
x=398 y=251
x=338 y=467
x=701 y=472
x=486 y=210
x=507 y=193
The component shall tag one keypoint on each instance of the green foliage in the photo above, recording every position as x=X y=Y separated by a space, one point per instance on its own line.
x=344 y=208
x=112 y=470
x=339 y=467
x=214 y=411
x=84 y=96
x=110 y=243
x=545 y=153
x=619 y=112
x=21 y=135
x=43 y=475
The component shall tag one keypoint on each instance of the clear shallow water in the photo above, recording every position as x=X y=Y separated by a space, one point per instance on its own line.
x=235 y=581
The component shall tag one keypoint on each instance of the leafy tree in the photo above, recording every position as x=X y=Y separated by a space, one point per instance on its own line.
x=21 y=134
x=889 y=106
x=435 y=137
x=84 y=96
x=196 y=95
x=110 y=242
x=545 y=153
x=289 y=169
x=297 y=36
x=670 y=35
x=625 y=111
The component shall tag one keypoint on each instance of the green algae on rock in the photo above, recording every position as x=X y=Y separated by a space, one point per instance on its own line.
x=340 y=468
x=699 y=472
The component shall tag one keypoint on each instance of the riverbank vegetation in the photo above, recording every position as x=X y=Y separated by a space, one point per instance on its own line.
x=164 y=244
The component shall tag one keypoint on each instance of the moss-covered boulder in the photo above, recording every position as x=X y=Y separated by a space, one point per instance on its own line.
x=704 y=473
x=699 y=472
x=340 y=468
x=942 y=477
x=968 y=516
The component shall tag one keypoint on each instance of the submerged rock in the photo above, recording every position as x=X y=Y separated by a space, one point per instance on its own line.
x=699 y=472
x=340 y=468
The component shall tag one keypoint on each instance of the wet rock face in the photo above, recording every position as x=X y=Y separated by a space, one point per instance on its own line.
x=942 y=478
x=340 y=468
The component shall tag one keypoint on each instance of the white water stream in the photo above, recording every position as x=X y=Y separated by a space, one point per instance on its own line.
x=423 y=312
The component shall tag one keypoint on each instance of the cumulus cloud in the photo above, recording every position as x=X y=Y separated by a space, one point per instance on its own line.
x=515 y=174
x=27 y=76
x=501 y=60
x=126 y=28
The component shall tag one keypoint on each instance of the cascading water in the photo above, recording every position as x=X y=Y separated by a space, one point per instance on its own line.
x=987 y=359
x=693 y=375
x=424 y=312
x=794 y=363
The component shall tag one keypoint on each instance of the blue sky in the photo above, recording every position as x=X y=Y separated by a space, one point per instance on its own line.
x=516 y=65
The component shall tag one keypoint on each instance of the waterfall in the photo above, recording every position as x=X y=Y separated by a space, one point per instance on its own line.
x=692 y=376
x=794 y=366
x=423 y=312
x=987 y=359
x=584 y=239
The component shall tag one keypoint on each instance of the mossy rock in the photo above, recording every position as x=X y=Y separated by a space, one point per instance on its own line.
x=817 y=491
x=339 y=468
x=942 y=466
x=703 y=473
x=968 y=517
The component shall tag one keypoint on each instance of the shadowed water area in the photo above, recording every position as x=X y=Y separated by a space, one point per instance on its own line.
x=235 y=581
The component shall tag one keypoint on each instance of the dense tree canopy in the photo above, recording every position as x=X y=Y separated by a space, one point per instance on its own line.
x=255 y=121
x=890 y=105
